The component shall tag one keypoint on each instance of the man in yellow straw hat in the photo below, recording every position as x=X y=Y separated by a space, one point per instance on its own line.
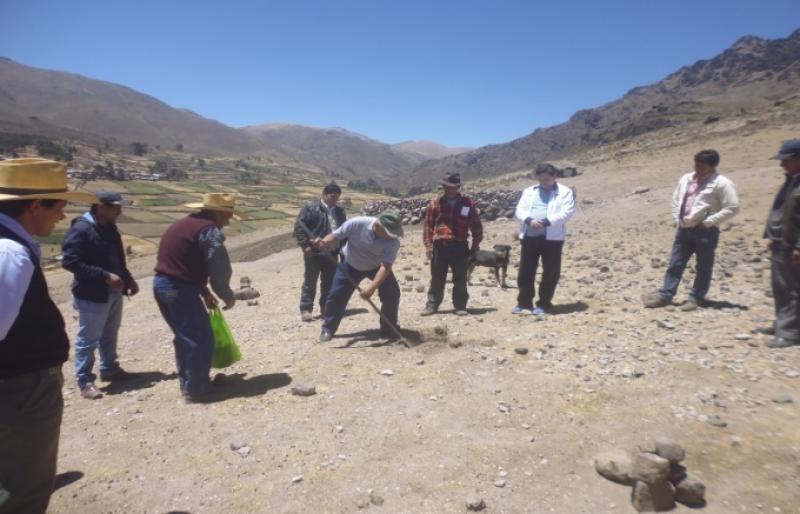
x=33 y=342
x=192 y=253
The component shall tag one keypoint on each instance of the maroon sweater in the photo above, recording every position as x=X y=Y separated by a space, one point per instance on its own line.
x=179 y=254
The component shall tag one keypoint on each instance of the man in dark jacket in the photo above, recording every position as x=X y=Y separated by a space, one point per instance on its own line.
x=93 y=252
x=33 y=342
x=317 y=219
x=783 y=235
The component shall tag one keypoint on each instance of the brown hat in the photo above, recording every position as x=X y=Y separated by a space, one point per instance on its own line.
x=451 y=180
x=37 y=179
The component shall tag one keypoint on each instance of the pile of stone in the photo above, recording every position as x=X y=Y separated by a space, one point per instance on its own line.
x=657 y=477
x=491 y=205
x=246 y=292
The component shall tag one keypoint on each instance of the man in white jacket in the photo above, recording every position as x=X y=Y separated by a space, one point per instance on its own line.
x=543 y=211
x=702 y=201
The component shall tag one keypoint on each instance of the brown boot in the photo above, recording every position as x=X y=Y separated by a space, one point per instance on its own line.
x=91 y=392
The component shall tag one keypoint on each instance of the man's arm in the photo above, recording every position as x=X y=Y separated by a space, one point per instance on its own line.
x=300 y=226
x=218 y=263
x=675 y=204
x=524 y=206
x=729 y=201
x=427 y=232
x=72 y=251
x=383 y=273
x=16 y=270
x=566 y=211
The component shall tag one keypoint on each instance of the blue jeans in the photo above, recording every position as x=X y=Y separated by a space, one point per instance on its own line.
x=185 y=313
x=98 y=326
x=342 y=289
x=700 y=242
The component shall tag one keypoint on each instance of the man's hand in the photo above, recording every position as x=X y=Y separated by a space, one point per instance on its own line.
x=115 y=282
x=474 y=250
x=770 y=245
x=308 y=250
x=367 y=292
x=133 y=288
x=796 y=257
x=536 y=224
x=229 y=304
x=209 y=299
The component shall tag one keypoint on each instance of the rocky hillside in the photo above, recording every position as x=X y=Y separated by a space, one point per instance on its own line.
x=752 y=76
x=58 y=104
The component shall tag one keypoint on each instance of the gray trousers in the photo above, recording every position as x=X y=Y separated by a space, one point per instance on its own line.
x=31 y=406
x=786 y=293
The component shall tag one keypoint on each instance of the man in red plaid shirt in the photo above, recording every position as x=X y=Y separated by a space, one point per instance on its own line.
x=448 y=220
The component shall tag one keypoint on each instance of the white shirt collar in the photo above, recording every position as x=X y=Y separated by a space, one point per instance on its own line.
x=14 y=226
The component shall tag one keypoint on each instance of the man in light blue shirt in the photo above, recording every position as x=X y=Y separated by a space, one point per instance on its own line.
x=371 y=249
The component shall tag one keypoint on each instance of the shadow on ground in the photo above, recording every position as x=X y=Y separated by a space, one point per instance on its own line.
x=373 y=337
x=237 y=386
x=568 y=308
x=66 y=478
x=137 y=380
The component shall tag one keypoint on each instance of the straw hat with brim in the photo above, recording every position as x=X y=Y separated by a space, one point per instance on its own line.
x=224 y=202
x=392 y=221
x=37 y=179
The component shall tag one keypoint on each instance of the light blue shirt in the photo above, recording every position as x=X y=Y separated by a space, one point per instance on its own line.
x=364 y=250
x=16 y=270
x=539 y=212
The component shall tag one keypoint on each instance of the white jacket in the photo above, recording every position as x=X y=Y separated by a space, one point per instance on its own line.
x=559 y=210
x=716 y=203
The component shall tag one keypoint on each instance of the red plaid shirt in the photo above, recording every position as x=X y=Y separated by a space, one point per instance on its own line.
x=445 y=223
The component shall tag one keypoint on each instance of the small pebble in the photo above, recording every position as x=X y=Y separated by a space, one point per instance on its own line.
x=500 y=483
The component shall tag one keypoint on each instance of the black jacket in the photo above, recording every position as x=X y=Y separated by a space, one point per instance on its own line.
x=88 y=250
x=313 y=222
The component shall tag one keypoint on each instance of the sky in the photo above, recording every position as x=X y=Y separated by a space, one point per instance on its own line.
x=461 y=73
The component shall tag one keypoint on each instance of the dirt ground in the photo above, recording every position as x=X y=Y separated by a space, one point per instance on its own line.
x=396 y=430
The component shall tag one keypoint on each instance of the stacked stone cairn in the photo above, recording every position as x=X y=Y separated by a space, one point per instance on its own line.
x=491 y=204
x=246 y=292
x=656 y=475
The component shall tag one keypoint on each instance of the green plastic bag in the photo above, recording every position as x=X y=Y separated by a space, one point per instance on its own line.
x=225 y=350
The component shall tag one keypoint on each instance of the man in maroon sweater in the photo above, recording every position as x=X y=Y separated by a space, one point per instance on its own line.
x=191 y=253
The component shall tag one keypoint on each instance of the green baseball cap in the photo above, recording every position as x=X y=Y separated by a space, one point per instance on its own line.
x=392 y=221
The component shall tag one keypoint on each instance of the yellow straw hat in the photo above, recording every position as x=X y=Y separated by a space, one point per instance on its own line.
x=37 y=179
x=225 y=202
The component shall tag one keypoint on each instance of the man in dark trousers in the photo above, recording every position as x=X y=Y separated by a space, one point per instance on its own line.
x=448 y=221
x=543 y=211
x=192 y=253
x=93 y=252
x=33 y=342
x=317 y=219
x=783 y=235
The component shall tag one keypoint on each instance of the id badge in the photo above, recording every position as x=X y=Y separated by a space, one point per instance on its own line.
x=465 y=211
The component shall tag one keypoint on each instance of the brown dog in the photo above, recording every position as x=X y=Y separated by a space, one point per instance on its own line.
x=496 y=259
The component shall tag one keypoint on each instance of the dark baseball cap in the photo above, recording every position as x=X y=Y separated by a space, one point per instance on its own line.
x=789 y=149
x=111 y=198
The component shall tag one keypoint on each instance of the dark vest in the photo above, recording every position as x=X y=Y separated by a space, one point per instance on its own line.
x=37 y=339
x=179 y=254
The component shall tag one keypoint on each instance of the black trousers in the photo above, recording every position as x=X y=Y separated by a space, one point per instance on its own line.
x=454 y=256
x=534 y=248
x=318 y=266
x=786 y=293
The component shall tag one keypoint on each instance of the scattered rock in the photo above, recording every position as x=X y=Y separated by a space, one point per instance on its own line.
x=304 y=390
x=736 y=440
x=669 y=449
x=716 y=421
x=235 y=445
x=690 y=492
x=521 y=350
x=475 y=503
x=649 y=468
x=387 y=372
x=641 y=190
x=783 y=398
x=297 y=478
x=615 y=465
x=499 y=483
x=252 y=303
x=244 y=451
x=653 y=497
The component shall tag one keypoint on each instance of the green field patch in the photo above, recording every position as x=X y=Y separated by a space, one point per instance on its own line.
x=144 y=188
x=144 y=216
x=143 y=230
x=264 y=214
x=160 y=201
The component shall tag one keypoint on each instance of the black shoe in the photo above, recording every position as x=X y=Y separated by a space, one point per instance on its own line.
x=769 y=331
x=780 y=342
x=325 y=335
x=388 y=334
x=208 y=394
x=428 y=311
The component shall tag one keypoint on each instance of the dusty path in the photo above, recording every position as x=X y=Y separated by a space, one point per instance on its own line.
x=456 y=415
